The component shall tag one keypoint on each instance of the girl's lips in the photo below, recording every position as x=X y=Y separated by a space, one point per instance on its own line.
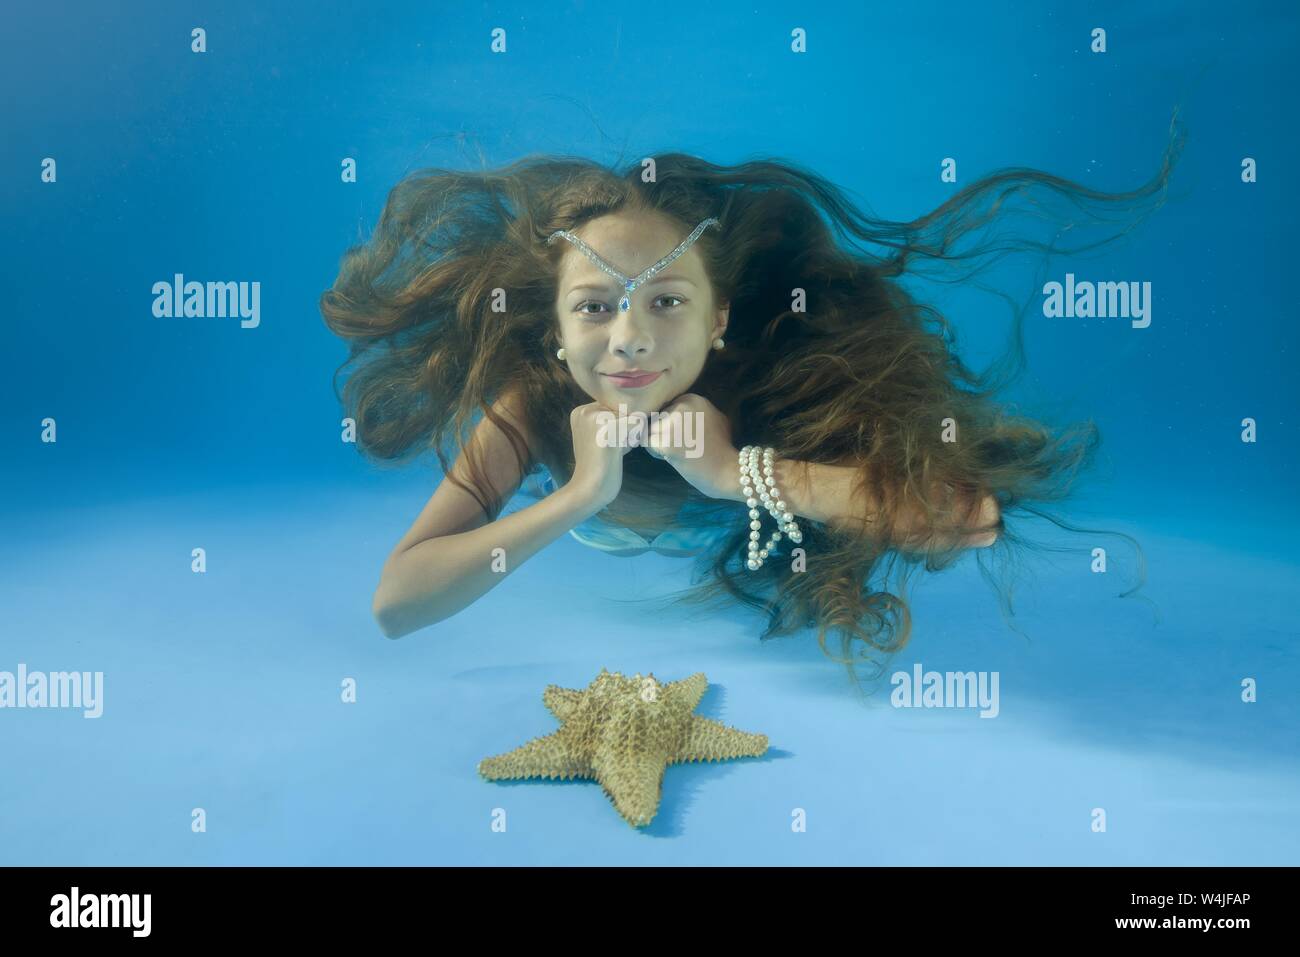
x=632 y=381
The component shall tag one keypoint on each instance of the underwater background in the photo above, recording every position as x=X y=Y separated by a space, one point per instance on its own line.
x=222 y=690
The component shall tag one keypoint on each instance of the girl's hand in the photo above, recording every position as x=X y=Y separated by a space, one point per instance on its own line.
x=597 y=462
x=710 y=463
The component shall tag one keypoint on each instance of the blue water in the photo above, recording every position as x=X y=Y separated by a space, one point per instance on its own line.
x=222 y=690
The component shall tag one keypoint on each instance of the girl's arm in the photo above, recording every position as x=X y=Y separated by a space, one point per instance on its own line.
x=826 y=493
x=823 y=493
x=447 y=560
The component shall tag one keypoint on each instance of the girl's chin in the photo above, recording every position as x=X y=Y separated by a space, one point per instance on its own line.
x=647 y=399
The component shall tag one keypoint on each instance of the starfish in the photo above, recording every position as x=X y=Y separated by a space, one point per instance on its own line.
x=624 y=732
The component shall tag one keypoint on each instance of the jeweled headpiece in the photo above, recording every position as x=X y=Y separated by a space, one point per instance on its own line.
x=630 y=283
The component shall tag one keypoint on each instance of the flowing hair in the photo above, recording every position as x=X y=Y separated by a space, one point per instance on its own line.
x=863 y=375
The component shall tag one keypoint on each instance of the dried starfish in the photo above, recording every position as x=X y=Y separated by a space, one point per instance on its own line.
x=624 y=732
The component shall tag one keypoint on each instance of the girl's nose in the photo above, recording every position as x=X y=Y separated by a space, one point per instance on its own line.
x=629 y=333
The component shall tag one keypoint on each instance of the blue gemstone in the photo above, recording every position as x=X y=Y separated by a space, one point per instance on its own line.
x=624 y=303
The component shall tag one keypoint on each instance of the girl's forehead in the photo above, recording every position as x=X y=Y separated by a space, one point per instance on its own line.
x=630 y=233
x=630 y=242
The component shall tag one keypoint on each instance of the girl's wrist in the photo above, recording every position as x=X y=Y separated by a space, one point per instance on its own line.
x=581 y=499
x=728 y=480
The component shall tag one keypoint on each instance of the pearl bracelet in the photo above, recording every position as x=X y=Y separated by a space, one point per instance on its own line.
x=752 y=479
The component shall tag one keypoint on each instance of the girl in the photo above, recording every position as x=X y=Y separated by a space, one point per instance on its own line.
x=773 y=379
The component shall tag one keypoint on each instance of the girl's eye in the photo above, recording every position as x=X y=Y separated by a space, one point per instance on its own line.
x=604 y=307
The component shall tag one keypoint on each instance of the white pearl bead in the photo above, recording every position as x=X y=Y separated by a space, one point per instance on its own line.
x=756 y=471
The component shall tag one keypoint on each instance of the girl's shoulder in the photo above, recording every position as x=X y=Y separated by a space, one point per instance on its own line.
x=512 y=406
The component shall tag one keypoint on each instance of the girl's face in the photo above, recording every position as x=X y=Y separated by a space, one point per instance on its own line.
x=668 y=329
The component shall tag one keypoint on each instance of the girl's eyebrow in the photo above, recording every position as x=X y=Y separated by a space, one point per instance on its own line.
x=601 y=287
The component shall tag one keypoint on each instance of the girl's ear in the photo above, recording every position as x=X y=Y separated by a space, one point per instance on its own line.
x=724 y=314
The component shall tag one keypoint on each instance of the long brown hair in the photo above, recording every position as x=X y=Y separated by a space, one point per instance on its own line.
x=865 y=375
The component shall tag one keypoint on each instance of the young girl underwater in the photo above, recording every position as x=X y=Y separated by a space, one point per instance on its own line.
x=838 y=436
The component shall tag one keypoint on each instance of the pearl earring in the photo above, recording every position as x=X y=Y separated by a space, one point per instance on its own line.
x=559 y=353
x=718 y=343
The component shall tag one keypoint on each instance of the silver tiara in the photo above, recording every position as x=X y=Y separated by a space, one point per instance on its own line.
x=630 y=283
